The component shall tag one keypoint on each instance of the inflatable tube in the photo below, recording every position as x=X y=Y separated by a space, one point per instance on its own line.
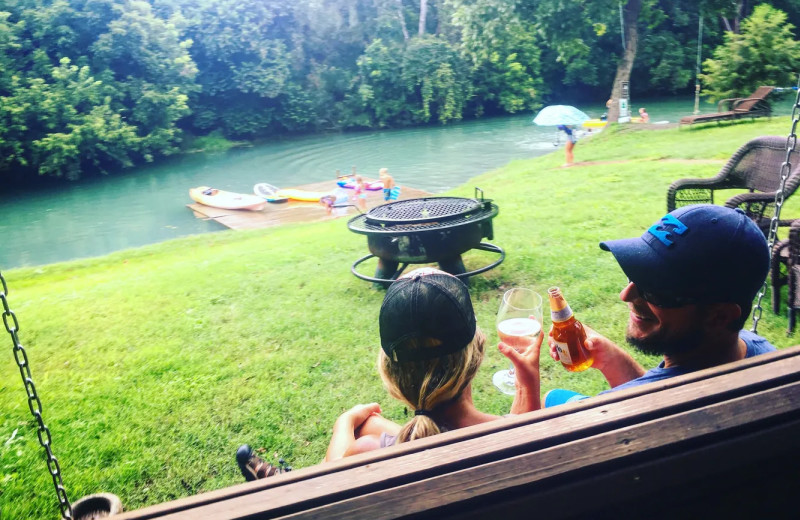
x=350 y=184
x=391 y=193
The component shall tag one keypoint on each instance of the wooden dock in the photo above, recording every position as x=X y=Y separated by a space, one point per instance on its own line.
x=295 y=211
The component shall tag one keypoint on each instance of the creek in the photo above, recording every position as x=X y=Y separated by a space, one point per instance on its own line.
x=147 y=204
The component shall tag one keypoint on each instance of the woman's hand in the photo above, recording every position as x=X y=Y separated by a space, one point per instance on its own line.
x=344 y=440
x=526 y=363
x=526 y=366
x=353 y=418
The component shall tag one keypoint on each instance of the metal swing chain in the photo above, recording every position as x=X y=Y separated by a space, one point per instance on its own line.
x=786 y=167
x=35 y=405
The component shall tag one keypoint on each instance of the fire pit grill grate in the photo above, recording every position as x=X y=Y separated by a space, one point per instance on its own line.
x=425 y=214
x=418 y=211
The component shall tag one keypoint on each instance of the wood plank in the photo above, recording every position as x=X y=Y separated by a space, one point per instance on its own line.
x=591 y=454
x=295 y=211
x=499 y=440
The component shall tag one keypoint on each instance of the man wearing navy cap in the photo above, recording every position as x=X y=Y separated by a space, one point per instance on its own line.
x=692 y=277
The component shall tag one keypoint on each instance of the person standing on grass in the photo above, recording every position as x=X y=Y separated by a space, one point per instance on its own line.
x=431 y=349
x=571 y=140
x=692 y=277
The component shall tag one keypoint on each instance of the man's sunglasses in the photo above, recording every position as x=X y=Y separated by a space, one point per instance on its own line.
x=664 y=300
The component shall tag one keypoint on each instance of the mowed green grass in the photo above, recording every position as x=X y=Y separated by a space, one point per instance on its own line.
x=155 y=364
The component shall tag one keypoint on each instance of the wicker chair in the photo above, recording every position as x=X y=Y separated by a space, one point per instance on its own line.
x=755 y=167
x=785 y=270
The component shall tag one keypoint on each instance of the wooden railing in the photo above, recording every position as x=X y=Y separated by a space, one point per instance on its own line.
x=717 y=443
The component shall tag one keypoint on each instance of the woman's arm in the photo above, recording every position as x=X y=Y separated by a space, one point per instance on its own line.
x=358 y=430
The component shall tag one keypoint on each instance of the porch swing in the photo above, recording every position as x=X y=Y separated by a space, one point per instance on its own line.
x=483 y=470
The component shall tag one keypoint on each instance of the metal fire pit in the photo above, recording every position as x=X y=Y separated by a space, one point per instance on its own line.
x=426 y=230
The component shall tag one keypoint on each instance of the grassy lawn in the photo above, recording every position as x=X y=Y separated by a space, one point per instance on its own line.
x=155 y=364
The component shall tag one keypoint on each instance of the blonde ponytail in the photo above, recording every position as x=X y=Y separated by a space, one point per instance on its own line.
x=425 y=385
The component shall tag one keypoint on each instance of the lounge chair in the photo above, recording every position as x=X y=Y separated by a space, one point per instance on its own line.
x=755 y=167
x=754 y=105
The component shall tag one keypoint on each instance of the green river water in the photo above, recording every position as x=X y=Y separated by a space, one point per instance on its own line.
x=148 y=204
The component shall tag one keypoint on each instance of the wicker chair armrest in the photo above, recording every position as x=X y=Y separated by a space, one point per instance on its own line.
x=794 y=243
x=698 y=191
x=749 y=198
x=754 y=204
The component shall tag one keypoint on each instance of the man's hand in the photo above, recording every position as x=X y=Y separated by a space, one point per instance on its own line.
x=616 y=365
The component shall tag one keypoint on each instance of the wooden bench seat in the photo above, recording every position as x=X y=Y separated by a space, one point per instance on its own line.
x=719 y=442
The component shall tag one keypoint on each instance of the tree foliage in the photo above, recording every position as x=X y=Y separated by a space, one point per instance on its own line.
x=95 y=85
x=763 y=53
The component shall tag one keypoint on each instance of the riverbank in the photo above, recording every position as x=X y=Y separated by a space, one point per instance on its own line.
x=153 y=364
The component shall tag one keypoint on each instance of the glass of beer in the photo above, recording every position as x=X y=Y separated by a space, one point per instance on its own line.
x=519 y=322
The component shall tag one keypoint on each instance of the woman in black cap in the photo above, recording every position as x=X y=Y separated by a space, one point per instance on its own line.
x=431 y=349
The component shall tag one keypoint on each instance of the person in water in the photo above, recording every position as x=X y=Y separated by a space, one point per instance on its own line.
x=644 y=115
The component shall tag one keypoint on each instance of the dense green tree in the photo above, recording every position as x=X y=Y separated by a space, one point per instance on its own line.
x=382 y=91
x=764 y=52
x=435 y=74
x=504 y=54
x=64 y=122
x=152 y=71
x=93 y=85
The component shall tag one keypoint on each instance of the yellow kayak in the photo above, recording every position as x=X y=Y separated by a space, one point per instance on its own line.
x=594 y=123
x=600 y=123
x=226 y=199
x=307 y=196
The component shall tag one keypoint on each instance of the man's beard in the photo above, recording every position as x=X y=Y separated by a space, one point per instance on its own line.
x=662 y=343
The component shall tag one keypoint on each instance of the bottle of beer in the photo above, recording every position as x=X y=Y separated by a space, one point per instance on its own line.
x=568 y=334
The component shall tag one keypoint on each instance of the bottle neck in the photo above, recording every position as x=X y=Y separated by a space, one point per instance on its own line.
x=561 y=315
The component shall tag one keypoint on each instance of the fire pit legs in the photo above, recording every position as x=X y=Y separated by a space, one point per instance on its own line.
x=388 y=270
x=391 y=270
x=385 y=282
x=454 y=266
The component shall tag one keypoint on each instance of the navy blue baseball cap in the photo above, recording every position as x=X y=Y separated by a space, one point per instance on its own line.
x=713 y=254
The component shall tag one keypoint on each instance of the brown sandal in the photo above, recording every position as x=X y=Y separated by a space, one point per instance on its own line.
x=254 y=467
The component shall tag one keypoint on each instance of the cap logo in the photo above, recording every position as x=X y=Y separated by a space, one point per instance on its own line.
x=662 y=233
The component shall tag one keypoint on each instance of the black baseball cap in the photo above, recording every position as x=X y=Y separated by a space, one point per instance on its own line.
x=430 y=306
